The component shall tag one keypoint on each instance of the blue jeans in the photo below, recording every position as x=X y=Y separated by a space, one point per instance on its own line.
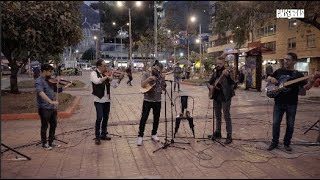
x=102 y=110
x=278 y=111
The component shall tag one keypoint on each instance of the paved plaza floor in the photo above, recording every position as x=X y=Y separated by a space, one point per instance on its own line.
x=246 y=157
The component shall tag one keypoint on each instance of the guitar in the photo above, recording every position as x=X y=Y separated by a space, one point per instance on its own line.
x=147 y=88
x=273 y=90
x=210 y=94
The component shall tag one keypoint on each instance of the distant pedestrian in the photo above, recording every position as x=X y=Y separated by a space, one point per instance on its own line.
x=129 y=74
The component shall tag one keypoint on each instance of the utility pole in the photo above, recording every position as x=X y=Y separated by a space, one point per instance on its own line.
x=155 y=30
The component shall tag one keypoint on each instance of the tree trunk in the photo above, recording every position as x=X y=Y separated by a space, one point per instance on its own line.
x=14 y=79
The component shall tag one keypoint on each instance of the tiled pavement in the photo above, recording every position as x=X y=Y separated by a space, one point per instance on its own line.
x=246 y=157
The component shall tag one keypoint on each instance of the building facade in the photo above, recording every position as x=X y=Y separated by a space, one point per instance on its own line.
x=281 y=36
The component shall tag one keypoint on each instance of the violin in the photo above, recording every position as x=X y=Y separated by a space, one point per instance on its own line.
x=54 y=81
x=115 y=74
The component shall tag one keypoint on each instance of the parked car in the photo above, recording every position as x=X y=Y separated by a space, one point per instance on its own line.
x=5 y=69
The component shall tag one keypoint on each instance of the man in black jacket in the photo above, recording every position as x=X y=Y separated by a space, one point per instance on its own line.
x=222 y=86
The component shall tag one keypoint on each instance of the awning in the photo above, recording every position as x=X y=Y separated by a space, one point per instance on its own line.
x=246 y=50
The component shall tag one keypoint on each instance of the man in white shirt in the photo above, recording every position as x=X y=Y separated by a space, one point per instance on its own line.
x=101 y=79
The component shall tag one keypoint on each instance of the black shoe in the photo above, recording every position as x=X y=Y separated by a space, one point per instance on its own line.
x=272 y=146
x=105 y=138
x=217 y=135
x=287 y=148
x=98 y=142
x=228 y=139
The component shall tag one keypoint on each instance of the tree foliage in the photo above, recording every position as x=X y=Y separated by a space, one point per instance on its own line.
x=241 y=17
x=89 y=54
x=141 y=18
x=30 y=28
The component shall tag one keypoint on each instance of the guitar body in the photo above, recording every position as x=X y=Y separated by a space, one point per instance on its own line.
x=273 y=90
x=147 y=88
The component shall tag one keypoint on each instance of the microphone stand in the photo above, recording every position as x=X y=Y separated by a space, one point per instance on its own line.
x=211 y=137
x=166 y=143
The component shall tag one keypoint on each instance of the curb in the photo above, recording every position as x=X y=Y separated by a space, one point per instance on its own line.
x=65 y=114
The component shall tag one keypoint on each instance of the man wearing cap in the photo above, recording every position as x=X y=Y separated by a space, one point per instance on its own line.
x=152 y=100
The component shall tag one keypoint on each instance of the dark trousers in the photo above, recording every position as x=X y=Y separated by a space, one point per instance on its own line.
x=130 y=79
x=48 y=116
x=176 y=81
x=225 y=106
x=278 y=111
x=102 y=111
x=146 y=107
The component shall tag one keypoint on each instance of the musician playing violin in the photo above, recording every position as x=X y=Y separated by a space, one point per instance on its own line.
x=286 y=102
x=47 y=104
x=222 y=85
x=102 y=80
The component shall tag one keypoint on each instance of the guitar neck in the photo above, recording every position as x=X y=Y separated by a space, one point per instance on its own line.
x=297 y=80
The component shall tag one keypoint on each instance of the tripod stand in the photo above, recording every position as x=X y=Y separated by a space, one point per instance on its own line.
x=27 y=157
x=315 y=124
x=167 y=143
x=211 y=137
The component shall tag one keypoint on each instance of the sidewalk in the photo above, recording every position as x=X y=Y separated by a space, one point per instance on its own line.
x=246 y=157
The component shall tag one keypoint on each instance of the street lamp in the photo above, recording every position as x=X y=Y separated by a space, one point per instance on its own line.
x=138 y=4
x=192 y=19
x=121 y=35
x=95 y=40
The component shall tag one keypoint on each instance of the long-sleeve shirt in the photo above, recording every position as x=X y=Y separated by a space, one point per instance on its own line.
x=94 y=78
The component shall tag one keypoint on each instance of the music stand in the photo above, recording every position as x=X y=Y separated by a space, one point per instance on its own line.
x=27 y=157
x=211 y=137
x=166 y=141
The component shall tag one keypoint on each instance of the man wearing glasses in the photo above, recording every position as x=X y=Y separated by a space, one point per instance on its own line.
x=101 y=90
x=286 y=102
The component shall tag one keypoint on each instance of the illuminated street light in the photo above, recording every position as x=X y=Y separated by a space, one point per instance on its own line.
x=119 y=3
x=193 y=19
x=138 y=4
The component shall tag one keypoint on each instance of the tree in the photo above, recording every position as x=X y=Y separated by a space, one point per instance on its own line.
x=241 y=16
x=31 y=28
x=89 y=54
x=141 y=18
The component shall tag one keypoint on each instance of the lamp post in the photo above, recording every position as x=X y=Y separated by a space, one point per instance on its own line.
x=138 y=4
x=192 y=19
x=121 y=35
x=95 y=40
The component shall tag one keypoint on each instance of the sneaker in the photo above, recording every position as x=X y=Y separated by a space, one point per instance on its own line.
x=155 y=138
x=53 y=145
x=272 y=146
x=139 y=141
x=47 y=147
x=287 y=148
x=97 y=141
